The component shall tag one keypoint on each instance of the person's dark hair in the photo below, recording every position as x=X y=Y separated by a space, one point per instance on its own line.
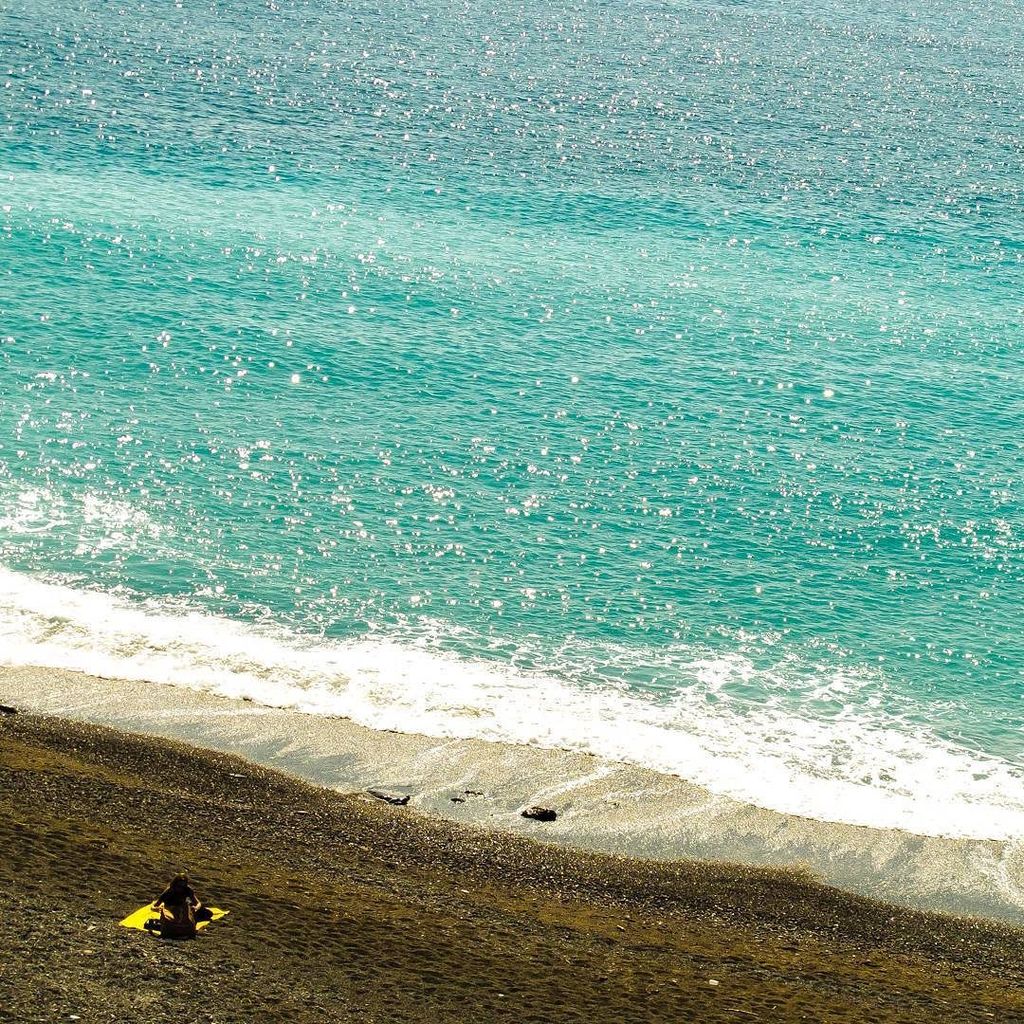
x=179 y=882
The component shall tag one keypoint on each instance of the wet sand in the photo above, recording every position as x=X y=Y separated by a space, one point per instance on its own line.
x=346 y=909
x=602 y=806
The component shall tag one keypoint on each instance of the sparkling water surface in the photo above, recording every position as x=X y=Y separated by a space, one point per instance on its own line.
x=640 y=377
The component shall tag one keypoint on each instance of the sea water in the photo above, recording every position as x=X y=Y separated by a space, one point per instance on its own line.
x=641 y=378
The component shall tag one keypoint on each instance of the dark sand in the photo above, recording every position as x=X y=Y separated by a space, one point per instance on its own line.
x=346 y=909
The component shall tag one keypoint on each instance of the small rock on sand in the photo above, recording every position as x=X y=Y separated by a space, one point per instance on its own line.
x=540 y=813
x=6 y=709
x=398 y=799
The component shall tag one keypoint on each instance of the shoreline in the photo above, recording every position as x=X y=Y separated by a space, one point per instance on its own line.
x=777 y=760
x=345 y=908
x=604 y=807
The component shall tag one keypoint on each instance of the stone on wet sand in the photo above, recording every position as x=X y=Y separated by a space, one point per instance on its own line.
x=540 y=813
x=398 y=799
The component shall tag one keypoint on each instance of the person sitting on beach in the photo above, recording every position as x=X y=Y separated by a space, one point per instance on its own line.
x=180 y=909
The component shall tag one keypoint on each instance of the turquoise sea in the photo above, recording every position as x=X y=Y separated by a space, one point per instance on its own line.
x=639 y=377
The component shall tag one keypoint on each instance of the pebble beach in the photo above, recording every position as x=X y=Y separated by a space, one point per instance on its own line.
x=345 y=908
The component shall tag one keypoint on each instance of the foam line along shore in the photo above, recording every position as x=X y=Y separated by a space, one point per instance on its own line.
x=829 y=748
x=601 y=805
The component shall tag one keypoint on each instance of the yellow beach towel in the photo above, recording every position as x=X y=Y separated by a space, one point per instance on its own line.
x=138 y=918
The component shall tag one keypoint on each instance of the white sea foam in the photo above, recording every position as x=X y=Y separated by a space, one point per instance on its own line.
x=860 y=766
x=99 y=522
x=31 y=511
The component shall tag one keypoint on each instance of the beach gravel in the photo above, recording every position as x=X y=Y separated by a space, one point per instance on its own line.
x=344 y=908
